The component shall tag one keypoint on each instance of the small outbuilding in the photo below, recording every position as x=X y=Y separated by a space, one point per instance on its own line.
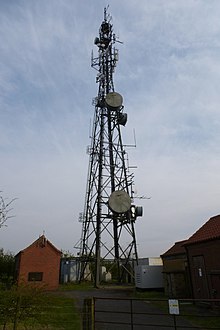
x=39 y=263
x=191 y=268
x=148 y=273
x=69 y=269
x=175 y=271
x=203 y=251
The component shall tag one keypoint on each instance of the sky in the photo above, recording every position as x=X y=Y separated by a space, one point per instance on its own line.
x=168 y=74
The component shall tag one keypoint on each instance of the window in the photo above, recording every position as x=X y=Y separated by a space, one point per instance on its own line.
x=37 y=276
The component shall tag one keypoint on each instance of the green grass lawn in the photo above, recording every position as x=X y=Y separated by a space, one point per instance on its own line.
x=56 y=312
x=61 y=314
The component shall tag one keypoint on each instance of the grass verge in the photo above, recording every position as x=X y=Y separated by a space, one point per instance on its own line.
x=57 y=312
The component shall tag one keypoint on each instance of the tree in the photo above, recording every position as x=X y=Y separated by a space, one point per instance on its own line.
x=7 y=268
x=5 y=210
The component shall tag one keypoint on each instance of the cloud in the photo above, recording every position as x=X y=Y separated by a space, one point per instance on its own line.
x=168 y=74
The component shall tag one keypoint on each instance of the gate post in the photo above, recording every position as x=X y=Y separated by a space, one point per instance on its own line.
x=131 y=305
x=93 y=313
x=88 y=314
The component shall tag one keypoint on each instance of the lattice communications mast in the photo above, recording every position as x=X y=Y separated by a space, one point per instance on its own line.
x=109 y=214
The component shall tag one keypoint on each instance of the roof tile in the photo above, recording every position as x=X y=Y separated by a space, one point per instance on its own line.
x=209 y=231
x=177 y=248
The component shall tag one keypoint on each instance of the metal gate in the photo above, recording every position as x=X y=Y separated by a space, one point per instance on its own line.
x=149 y=314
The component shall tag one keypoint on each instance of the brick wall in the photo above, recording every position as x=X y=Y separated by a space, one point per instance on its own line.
x=205 y=269
x=40 y=257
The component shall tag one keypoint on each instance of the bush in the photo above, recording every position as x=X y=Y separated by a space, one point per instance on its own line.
x=7 y=268
x=19 y=304
x=28 y=307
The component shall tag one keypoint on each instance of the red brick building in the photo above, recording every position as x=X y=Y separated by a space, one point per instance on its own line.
x=175 y=271
x=203 y=251
x=39 y=263
x=192 y=267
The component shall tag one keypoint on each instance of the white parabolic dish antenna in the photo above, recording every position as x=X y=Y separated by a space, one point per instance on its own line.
x=113 y=100
x=119 y=201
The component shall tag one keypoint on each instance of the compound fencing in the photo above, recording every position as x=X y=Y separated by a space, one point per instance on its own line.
x=150 y=314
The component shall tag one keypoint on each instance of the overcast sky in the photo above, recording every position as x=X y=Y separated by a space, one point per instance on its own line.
x=169 y=75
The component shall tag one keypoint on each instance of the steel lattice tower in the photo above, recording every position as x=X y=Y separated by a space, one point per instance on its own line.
x=109 y=214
